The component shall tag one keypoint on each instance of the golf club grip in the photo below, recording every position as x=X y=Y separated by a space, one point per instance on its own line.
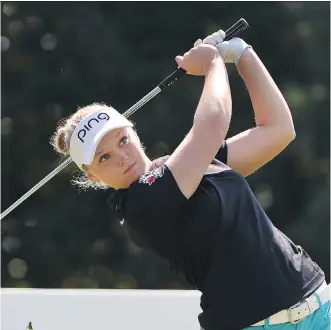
x=230 y=33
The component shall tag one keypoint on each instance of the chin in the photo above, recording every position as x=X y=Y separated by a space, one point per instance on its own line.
x=140 y=170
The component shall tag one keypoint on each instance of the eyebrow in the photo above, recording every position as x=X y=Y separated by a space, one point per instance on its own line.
x=101 y=151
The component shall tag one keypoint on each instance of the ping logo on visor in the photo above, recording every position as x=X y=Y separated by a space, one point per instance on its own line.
x=82 y=132
x=89 y=132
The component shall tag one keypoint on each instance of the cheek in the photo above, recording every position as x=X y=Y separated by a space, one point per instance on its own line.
x=138 y=154
x=110 y=176
x=136 y=146
x=103 y=172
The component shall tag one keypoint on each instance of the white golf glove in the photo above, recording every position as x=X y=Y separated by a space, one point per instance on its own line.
x=230 y=51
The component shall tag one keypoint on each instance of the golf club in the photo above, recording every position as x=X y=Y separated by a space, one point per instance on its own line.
x=233 y=31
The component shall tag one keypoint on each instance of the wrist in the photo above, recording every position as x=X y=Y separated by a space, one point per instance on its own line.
x=215 y=64
x=245 y=59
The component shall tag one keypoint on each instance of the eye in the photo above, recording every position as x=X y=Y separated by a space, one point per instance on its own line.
x=124 y=140
x=104 y=157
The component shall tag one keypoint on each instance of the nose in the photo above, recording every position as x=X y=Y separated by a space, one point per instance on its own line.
x=123 y=159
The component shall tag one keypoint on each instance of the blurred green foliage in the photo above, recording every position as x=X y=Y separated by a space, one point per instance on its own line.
x=60 y=55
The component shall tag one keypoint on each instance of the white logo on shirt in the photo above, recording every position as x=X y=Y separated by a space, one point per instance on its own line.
x=150 y=177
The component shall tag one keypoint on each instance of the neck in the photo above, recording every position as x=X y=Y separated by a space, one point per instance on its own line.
x=149 y=165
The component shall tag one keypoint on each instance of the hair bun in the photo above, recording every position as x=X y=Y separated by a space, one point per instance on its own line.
x=61 y=141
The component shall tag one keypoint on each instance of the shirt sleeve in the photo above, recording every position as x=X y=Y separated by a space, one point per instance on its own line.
x=154 y=203
x=222 y=154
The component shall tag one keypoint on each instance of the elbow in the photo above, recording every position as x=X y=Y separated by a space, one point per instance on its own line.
x=292 y=134
x=287 y=133
x=285 y=127
x=282 y=133
x=288 y=127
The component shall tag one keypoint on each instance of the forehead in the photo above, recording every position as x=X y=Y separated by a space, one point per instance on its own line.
x=111 y=137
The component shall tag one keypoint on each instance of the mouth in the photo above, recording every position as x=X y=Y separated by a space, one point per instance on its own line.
x=130 y=168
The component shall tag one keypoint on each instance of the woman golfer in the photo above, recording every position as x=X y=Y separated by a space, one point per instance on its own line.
x=195 y=210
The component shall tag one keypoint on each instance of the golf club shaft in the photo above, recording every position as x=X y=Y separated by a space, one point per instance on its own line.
x=127 y=113
x=233 y=31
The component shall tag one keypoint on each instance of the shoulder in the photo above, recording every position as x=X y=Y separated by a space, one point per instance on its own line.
x=150 y=177
x=155 y=192
x=154 y=181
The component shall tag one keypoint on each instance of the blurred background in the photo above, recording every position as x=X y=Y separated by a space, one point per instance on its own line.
x=56 y=56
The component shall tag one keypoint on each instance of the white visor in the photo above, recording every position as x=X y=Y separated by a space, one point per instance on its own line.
x=89 y=132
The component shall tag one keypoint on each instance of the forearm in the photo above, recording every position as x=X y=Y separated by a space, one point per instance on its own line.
x=269 y=105
x=215 y=106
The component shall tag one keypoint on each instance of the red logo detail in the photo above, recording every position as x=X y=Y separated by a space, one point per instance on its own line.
x=150 y=177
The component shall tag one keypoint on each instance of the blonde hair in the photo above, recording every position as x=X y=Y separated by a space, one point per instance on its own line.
x=61 y=143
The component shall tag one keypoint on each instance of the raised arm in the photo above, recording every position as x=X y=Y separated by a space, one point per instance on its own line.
x=190 y=160
x=274 y=129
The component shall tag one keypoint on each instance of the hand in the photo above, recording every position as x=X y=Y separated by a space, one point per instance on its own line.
x=231 y=50
x=198 y=59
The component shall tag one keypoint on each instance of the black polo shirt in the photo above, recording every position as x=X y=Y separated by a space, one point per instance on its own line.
x=223 y=243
